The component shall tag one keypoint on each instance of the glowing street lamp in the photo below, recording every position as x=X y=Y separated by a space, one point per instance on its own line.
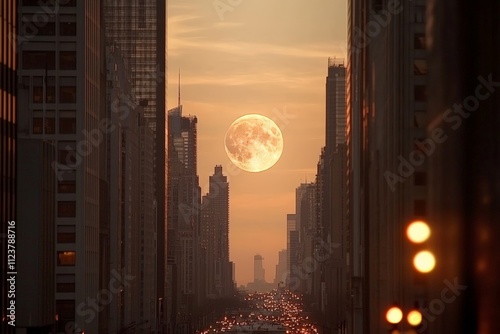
x=414 y=318
x=418 y=232
x=424 y=261
x=394 y=315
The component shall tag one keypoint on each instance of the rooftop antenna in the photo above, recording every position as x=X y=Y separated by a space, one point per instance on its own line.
x=179 y=94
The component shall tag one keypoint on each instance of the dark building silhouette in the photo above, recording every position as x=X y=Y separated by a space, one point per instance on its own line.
x=464 y=170
x=61 y=94
x=422 y=144
x=215 y=236
x=139 y=30
x=8 y=118
x=184 y=278
x=386 y=113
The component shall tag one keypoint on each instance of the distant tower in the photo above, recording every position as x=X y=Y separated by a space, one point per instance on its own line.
x=215 y=235
x=335 y=104
x=258 y=269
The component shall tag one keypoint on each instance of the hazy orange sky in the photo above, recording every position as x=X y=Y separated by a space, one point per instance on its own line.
x=256 y=56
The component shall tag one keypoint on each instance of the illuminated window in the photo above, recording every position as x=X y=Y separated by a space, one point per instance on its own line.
x=66 y=258
x=66 y=209
x=66 y=234
x=65 y=283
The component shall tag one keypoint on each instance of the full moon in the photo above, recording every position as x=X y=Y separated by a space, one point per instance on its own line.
x=254 y=143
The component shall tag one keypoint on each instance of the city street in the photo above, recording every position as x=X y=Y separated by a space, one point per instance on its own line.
x=273 y=312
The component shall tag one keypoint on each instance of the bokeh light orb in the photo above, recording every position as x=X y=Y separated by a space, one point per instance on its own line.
x=424 y=261
x=414 y=318
x=394 y=315
x=418 y=232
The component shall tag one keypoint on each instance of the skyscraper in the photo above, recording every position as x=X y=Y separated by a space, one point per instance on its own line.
x=280 y=278
x=291 y=225
x=386 y=166
x=306 y=225
x=61 y=72
x=8 y=61
x=464 y=170
x=258 y=269
x=183 y=220
x=123 y=145
x=215 y=235
x=139 y=30
x=335 y=104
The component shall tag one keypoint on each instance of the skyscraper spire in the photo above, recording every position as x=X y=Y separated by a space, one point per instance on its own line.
x=179 y=92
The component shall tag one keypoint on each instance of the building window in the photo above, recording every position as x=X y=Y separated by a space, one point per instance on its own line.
x=65 y=310
x=68 y=3
x=67 y=152
x=66 y=234
x=66 y=209
x=39 y=60
x=37 y=28
x=419 y=41
x=37 y=94
x=420 y=67
x=67 y=156
x=65 y=283
x=67 y=60
x=50 y=89
x=66 y=258
x=420 y=179
x=50 y=125
x=67 y=94
x=67 y=125
x=420 y=118
x=67 y=28
x=420 y=207
x=420 y=93
x=66 y=187
x=419 y=12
